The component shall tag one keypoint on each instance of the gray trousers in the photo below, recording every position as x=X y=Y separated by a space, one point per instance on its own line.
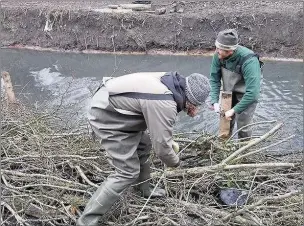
x=128 y=149
x=127 y=146
x=243 y=118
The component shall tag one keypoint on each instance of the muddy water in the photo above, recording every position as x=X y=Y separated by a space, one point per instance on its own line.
x=48 y=79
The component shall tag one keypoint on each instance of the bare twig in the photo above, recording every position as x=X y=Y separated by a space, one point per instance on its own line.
x=50 y=156
x=162 y=176
x=19 y=219
x=263 y=200
x=85 y=177
x=264 y=148
x=220 y=167
x=249 y=125
x=242 y=149
x=35 y=175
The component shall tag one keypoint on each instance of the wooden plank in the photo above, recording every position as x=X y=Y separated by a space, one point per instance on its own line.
x=10 y=95
x=225 y=104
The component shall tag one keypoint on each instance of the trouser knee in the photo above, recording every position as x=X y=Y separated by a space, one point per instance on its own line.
x=120 y=182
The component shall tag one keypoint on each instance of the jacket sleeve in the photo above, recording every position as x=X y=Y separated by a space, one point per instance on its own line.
x=160 y=117
x=215 y=79
x=252 y=76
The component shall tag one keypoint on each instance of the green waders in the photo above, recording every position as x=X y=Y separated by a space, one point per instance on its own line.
x=234 y=82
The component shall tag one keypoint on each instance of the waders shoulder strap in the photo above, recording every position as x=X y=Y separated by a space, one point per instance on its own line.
x=238 y=68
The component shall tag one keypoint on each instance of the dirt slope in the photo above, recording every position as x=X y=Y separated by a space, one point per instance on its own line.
x=272 y=28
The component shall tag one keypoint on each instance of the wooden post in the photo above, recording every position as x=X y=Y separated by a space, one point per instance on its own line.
x=225 y=104
x=11 y=98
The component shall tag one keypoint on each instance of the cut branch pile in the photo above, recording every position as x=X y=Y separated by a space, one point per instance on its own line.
x=49 y=173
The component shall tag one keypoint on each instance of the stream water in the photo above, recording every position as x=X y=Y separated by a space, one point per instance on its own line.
x=49 y=79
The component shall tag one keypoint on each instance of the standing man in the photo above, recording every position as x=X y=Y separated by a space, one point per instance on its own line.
x=121 y=112
x=239 y=71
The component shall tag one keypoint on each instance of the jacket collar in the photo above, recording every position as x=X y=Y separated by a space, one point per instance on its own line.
x=177 y=85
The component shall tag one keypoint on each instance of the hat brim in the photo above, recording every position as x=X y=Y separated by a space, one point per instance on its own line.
x=225 y=47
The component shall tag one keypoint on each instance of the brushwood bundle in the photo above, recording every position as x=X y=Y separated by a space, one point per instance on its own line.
x=48 y=173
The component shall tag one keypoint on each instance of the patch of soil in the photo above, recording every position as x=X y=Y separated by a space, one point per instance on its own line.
x=271 y=28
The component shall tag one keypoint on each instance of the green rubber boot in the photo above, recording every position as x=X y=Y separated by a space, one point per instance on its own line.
x=144 y=186
x=98 y=205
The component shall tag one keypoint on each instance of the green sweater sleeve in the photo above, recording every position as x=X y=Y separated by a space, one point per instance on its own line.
x=252 y=76
x=215 y=79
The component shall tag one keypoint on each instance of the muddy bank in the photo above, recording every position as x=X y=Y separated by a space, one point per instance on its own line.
x=271 y=29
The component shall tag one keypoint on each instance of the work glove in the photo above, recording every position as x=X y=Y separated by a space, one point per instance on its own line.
x=175 y=146
x=229 y=114
x=216 y=107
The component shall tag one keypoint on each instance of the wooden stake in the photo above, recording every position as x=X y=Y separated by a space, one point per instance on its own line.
x=225 y=103
x=11 y=98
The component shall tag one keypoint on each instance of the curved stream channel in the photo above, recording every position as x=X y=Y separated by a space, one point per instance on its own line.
x=47 y=79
